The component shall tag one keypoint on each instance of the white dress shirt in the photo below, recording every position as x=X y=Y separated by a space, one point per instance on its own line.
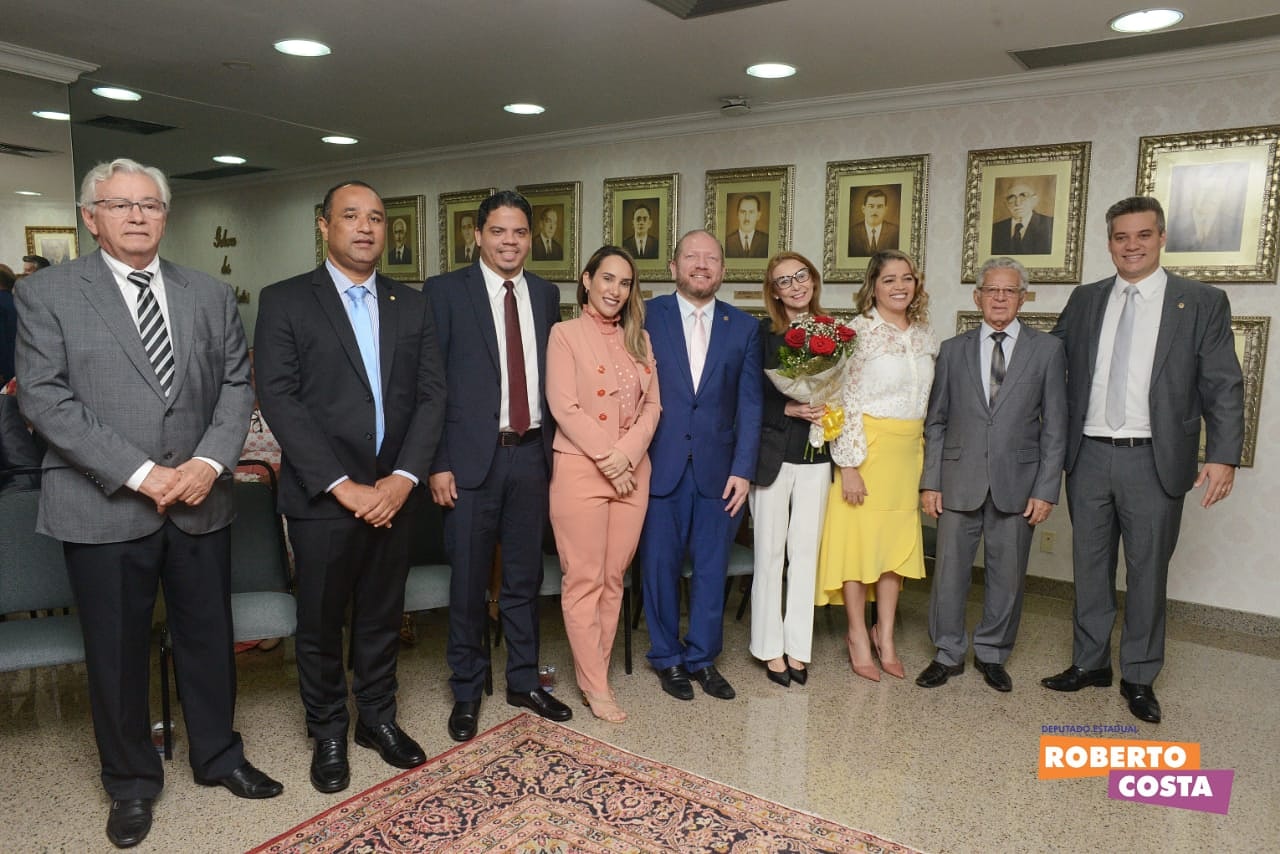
x=493 y=284
x=986 y=345
x=1148 y=304
x=686 y=319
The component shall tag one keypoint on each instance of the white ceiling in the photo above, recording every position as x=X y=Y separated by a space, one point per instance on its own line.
x=409 y=76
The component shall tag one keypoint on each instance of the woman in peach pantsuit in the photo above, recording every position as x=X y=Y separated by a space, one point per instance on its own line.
x=602 y=390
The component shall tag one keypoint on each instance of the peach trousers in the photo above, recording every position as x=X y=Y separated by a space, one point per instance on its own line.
x=596 y=536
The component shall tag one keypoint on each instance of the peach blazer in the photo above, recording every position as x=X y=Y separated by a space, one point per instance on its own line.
x=582 y=392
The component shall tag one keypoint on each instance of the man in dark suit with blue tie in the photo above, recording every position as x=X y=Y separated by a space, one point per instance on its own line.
x=492 y=468
x=703 y=456
x=350 y=379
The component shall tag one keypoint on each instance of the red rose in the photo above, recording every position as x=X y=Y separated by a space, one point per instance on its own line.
x=824 y=319
x=794 y=337
x=845 y=333
x=821 y=345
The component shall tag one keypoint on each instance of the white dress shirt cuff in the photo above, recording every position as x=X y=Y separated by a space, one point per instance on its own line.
x=135 y=481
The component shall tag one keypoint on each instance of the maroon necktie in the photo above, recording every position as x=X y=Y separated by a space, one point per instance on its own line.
x=518 y=405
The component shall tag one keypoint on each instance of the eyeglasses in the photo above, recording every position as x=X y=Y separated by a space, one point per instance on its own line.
x=1018 y=197
x=1007 y=293
x=790 y=283
x=119 y=208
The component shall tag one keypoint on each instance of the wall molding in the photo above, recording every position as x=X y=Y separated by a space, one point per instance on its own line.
x=45 y=66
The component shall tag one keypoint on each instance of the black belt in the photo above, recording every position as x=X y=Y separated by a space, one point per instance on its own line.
x=1129 y=442
x=507 y=439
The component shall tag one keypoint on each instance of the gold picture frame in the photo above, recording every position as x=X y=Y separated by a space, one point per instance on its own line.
x=410 y=209
x=57 y=243
x=1251 y=333
x=1219 y=190
x=626 y=200
x=893 y=190
x=1047 y=185
x=455 y=251
x=558 y=206
x=728 y=200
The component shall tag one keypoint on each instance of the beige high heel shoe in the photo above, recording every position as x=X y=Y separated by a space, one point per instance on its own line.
x=604 y=706
x=866 y=671
x=893 y=668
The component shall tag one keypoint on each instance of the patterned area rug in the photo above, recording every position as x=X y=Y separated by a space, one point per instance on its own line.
x=535 y=787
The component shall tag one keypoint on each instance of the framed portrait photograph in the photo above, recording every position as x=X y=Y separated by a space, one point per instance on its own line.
x=640 y=216
x=873 y=205
x=749 y=211
x=403 y=258
x=1251 y=333
x=554 y=255
x=55 y=242
x=1028 y=204
x=458 y=246
x=1219 y=192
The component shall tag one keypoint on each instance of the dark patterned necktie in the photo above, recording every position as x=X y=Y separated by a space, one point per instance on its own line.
x=155 y=336
x=517 y=385
x=1017 y=235
x=997 y=364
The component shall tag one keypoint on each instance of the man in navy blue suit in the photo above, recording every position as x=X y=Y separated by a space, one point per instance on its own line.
x=493 y=463
x=703 y=456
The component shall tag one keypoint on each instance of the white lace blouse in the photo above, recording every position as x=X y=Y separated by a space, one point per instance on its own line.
x=889 y=377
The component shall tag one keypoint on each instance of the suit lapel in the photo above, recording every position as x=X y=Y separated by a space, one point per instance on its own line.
x=673 y=329
x=1170 y=318
x=1099 y=310
x=388 y=324
x=182 y=312
x=1017 y=362
x=330 y=302
x=718 y=326
x=478 y=295
x=973 y=363
x=101 y=291
x=541 y=323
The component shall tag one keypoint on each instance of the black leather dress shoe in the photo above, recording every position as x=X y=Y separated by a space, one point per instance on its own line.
x=713 y=683
x=392 y=743
x=994 y=674
x=1074 y=678
x=330 y=771
x=247 y=782
x=675 y=681
x=462 y=720
x=129 y=822
x=1142 y=701
x=540 y=703
x=938 y=673
x=797 y=676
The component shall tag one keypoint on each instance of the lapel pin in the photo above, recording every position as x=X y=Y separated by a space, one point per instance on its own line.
x=393 y=297
x=1182 y=305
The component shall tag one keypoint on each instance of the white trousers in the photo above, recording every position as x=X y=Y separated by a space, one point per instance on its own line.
x=787 y=516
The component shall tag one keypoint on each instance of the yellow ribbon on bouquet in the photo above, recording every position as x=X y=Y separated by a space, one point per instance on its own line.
x=832 y=422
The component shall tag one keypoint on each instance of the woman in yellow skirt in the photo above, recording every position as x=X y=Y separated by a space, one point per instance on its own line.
x=872 y=538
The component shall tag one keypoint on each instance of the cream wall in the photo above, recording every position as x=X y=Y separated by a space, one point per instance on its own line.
x=1223 y=558
x=17 y=214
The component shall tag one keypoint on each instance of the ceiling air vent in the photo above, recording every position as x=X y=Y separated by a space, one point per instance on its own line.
x=701 y=8
x=222 y=172
x=1189 y=38
x=15 y=150
x=134 y=126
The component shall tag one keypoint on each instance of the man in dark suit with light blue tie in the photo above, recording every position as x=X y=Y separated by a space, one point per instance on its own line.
x=493 y=466
x=135 y=372
x=703 y=456
x=1150 y=356
x=349 y=377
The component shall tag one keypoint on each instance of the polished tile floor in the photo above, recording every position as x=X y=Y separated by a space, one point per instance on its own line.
x=946 y=770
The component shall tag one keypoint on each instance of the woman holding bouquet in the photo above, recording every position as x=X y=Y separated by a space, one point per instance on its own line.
x=602 y=390
x=788 y=499
x=872 y=539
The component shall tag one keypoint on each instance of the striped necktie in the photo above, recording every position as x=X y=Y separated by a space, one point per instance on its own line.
x=155 y=336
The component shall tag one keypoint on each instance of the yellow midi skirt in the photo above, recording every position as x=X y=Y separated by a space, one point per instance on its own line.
x=861 y=543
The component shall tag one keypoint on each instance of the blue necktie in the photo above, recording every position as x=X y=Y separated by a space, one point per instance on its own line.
x=362 y=322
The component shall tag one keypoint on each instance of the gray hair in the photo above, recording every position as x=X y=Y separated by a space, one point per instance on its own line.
x=1003 y=263
x=105 y=171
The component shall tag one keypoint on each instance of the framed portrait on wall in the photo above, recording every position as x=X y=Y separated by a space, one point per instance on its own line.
x=554 y=254
x=403 y=258
x=749 y=211
x=1219 y=192
x=55 y=242
x=457 y=225
x=640 y=216
x=1028 y=204
x=872 y=205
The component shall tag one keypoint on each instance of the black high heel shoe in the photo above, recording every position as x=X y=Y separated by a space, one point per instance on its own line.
x=779 y=677
x=799 y=677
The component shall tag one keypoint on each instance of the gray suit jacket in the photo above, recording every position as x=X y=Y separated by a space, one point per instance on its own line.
x=90 y=391
x=1195 y=376
x=1014 y=448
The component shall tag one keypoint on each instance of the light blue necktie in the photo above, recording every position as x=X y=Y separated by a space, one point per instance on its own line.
x=362 y=322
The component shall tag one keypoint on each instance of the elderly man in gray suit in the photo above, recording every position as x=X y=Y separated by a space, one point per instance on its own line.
x=995 y=434
x=136 y=373
x=1150 y=355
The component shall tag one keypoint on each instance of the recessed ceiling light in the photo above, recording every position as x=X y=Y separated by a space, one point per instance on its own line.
x=115 y=93
x=771 y=70
x=55 y=115
x=27 y=193
x=1145 y=20
x=232 y=159
x=525 y=109
x=339 y=140
x=302 y=47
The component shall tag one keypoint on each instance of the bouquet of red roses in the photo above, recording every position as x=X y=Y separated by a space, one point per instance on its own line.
x=811 y=363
